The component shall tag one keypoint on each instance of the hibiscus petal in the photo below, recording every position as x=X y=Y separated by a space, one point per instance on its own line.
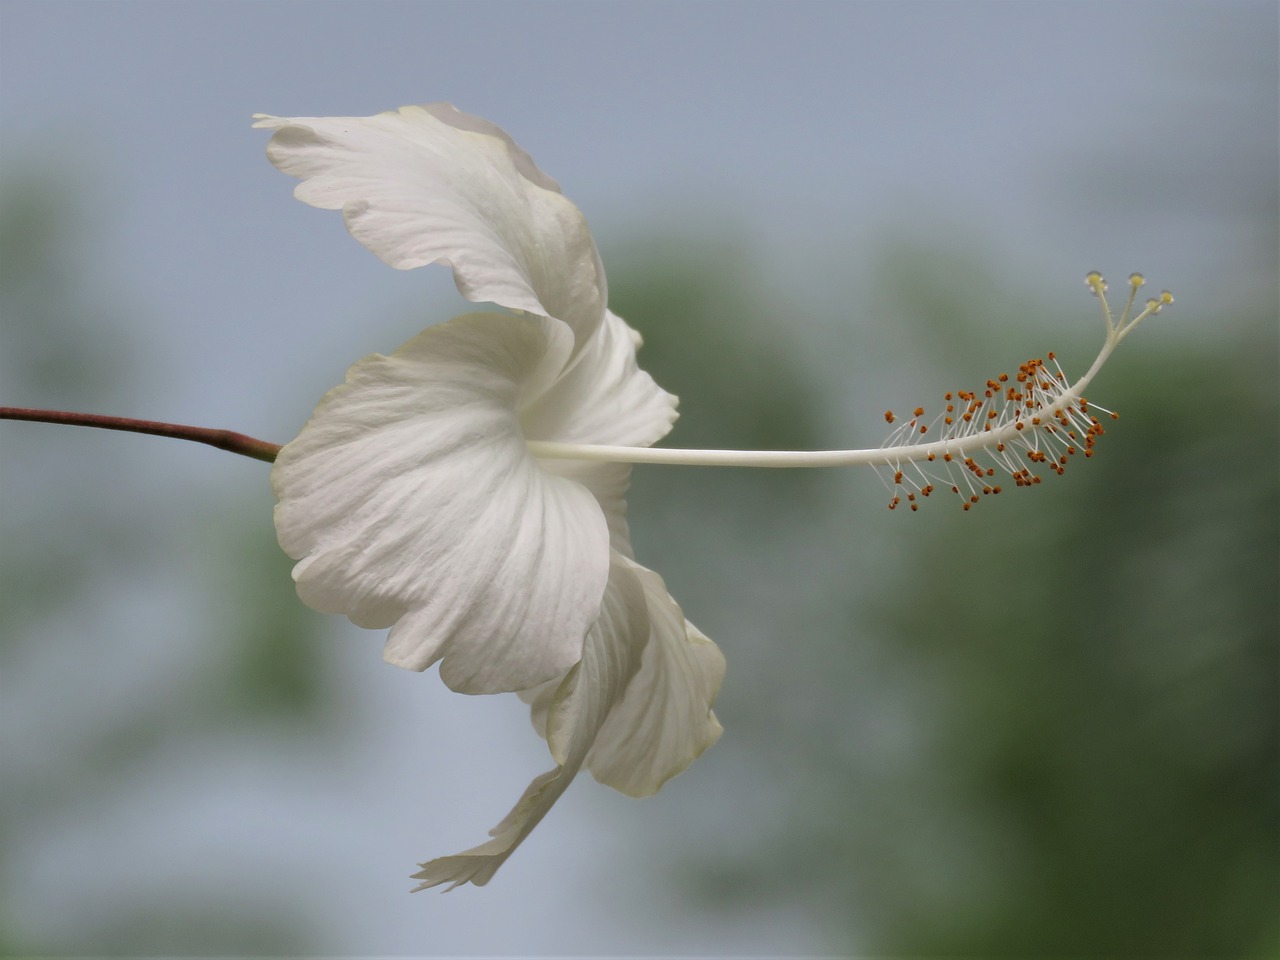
x=574 y=715
x=429 y=184
x=604 y=398
x=664 y=720
x=411 y=501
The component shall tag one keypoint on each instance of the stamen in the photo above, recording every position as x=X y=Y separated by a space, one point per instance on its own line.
x=1047 y=422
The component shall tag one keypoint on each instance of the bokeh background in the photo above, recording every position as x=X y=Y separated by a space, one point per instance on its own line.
x=1046 y=727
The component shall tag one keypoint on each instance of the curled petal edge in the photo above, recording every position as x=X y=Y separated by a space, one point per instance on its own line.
x=577 y=710
x=430 y=184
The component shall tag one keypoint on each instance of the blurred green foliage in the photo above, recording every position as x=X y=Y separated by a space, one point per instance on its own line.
x=1112 y=664
x=72 y=533
x=272 y=670
x=1071 y=748
x=708 y=319
x=709 y=338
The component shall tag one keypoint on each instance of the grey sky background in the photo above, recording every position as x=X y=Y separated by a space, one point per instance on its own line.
x=807 y=128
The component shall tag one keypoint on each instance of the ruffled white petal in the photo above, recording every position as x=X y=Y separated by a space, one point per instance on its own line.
x=575 y=712
x=429 y=184
x=664 y=720
x=604 y=398
x=411 y=501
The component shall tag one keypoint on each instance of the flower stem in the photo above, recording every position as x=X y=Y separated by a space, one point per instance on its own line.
x=222 y=439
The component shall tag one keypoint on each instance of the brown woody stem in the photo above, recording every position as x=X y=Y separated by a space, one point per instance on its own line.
x=222 y=439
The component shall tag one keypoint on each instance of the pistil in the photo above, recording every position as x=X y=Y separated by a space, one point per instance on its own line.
x=1036 y=415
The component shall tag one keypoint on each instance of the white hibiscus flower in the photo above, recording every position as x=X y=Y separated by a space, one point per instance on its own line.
x=411 y=498
x=467 y=492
